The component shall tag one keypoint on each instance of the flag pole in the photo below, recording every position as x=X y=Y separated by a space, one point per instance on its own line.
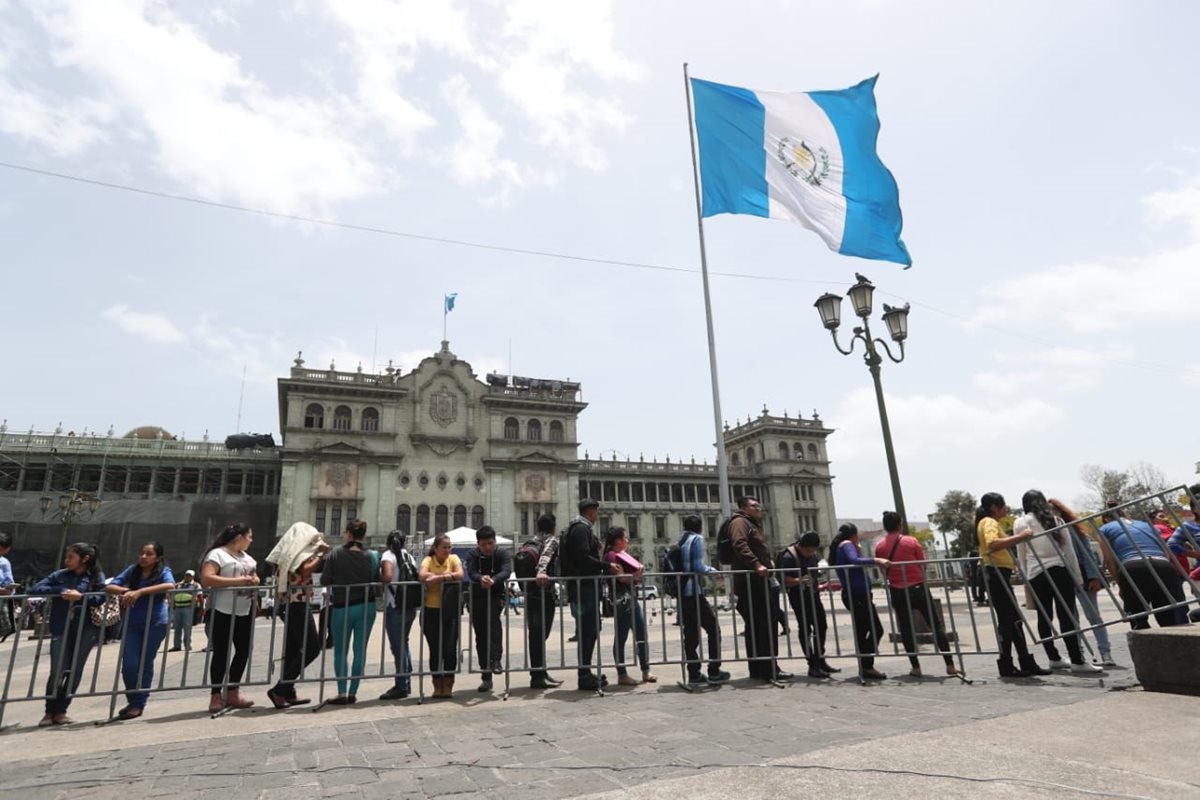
x=445 y=313
x=722 y=463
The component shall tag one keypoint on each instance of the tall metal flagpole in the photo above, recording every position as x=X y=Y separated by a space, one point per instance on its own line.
x=722 y=463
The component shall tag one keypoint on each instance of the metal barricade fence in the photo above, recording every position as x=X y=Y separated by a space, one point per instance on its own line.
x=844 y=614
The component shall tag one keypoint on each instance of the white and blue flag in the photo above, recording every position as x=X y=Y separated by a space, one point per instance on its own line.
x=808 y=157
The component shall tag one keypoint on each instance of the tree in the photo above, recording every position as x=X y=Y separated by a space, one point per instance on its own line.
x=925 y=537
x=955 y=514
x=1102 y=484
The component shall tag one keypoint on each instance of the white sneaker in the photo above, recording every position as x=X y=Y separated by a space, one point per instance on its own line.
x=1058 y=663
x=1107 y=660
x=1085 y=668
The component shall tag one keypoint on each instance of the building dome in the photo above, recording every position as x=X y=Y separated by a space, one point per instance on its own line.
x=148 y=432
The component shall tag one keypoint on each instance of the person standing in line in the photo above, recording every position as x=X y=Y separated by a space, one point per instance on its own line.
x=1049 y=563
x=995 y=548
x=846 y=553
x=442 y=573
x=350 y=572
x=694 y=608
x=976 y=577
x=752 y=584
x=488 y=570
x=230 y=574
x=183 y=610
x=627 y=611
x=301 y=641
x=581 y=560
x=908 y=592
x=73 y=634
x=1145 y=569
x=143 y=589
x=541 y=600
x=802 y=562
x=398 y=572
x=1091 y=581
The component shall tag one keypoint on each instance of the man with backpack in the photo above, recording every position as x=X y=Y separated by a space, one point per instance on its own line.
x=752 y=561
x=488 y=570
x=687 y=557
x=533 y=565
x=801 y=580
x=581 y=561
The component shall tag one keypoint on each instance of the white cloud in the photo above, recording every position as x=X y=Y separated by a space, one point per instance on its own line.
x=935 y=424
x=147 y=324
x=474 y=158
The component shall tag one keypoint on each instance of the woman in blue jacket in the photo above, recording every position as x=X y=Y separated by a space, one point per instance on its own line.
x=846 y=553
x=73 y=634
x=142 y=588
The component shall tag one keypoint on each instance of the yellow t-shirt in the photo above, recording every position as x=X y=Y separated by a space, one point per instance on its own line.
x=989 y=530
x=433 y=591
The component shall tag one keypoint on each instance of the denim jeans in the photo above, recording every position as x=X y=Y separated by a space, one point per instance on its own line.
x=182 y=620
x=137 y=671
x=629 y=616
x=399 y=625
x=1091 y=611
x=68 y=655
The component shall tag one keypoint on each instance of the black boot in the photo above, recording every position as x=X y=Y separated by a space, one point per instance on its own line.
x=1005 y=665
x=1030 y=667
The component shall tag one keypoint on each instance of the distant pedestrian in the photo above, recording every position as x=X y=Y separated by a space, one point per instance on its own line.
x=183 y=609
x=442 y=573
x=694 y=609
x=752 y=584
x=143 y=589
x=801 y=562
x=73 y=632
x=1049 y=563
x=349 y=574
x=995 y=548
x=488 y=569
x=627 y=608
x=975 y=576
x=541 y=599
x=846 y=554
x=398 y=572
x=908 y=593
x=230 y=575
x=581 y=562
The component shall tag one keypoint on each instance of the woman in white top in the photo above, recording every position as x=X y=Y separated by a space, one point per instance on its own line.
x=1048 y=562
x=231 y=573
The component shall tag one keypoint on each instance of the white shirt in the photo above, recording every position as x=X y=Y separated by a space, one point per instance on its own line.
x=237 y=602
x=1042 y=551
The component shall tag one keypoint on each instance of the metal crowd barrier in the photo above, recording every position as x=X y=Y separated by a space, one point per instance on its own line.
x=940 y=614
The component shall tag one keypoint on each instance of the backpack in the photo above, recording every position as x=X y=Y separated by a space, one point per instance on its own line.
x=725 y=543
x=670 y=562
x=409 y=595
x=526 y=560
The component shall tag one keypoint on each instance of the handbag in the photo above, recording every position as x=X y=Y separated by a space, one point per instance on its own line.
x=107 y=613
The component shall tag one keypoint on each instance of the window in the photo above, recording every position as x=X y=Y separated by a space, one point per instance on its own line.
x=556 y=431
x=139 y=480
x=660 y=527
x=677 y=492
x=651 y=493
x=460 y=516
x=636 y=493
x=664 y=493
x=189 y=480
x=512 y=429
x=460 y=481
x=341 y=418
x=35 y=478
x=749 y=456
x=423 y=481
x=605 y=523
x=689 y=492
x=595 y=491
x=714 y=493
x=11 y=474
x=712 y=524
x=314 y=416
x=735 y=460
x=533 y=430
x=583 y=489
x=233 y=481
x=799 y=451
x=256 y=482
x=335 y=518
x=623 y=492
x=62 y=478
x=441 y=520
x=442 y=480
x=784 y=451
x=631 y=522
x=370 y=419
x=404 y=519
x=610 y=491
x=812 y=453
x=319 y=522
x=477 y=517
x=89 y=478
x=423 y=520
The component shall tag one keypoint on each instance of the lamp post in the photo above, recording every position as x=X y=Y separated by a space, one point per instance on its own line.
x=70 y=505
x=829 y=306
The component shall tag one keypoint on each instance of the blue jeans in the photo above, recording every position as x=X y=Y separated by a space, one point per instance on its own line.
x=399 y=624
x=1091 y=611
x=346 y=621
x=628 y=615
x=181 y=618
x=68 y=655
x=136 y=672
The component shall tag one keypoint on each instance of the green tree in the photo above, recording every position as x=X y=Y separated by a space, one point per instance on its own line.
x=925 y=537
x=955 y=517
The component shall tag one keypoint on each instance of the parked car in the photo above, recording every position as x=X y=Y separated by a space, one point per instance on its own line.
x=647 y=591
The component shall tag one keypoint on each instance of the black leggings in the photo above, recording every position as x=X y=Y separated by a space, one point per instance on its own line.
x=243 y=628
x=1009 y=619
x=1151 y=577
x=868 y=630
x=1061 y=605
x=301 y=645
x=915 y=600
x=441 y=636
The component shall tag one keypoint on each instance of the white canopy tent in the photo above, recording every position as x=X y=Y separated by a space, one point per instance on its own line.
x=465 y=537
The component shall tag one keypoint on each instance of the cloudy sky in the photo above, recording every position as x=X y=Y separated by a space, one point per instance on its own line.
x=1048 y=157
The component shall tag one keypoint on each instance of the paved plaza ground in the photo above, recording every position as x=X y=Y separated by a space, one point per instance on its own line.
x=1061 y=736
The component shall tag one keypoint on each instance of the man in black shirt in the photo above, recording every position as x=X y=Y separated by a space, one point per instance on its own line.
x=805 y=599
x=580 y=561
x=541 y=602
x=488 y=569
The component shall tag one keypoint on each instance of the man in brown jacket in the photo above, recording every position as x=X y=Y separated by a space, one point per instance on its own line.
x=752 y=586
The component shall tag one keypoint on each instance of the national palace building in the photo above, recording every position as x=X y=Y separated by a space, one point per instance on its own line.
x=424 y=451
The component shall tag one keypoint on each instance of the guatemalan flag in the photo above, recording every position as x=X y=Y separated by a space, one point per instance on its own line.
x=808 y=157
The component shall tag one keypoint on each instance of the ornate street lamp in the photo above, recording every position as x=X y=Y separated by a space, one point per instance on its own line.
x=69 y=505
x=861 y=294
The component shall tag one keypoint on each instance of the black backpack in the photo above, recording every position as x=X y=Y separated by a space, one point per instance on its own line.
x=670 y=562
x=408 y=596
x=725 y=543
x=526 y=560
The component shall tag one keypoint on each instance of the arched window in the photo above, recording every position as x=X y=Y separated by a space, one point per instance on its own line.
x=556 y=431
x=460 y=516
x=341 y=418
x=370 y=419
x=799 y=451
x=533 y=430
x=404 y=519
x=812 y=452
x=735 y=459
x=512 y=429
x=314 y=416
x=477 y=517
x=423 y=520
x=441 y=520
x=784 y=451
x=749 y=456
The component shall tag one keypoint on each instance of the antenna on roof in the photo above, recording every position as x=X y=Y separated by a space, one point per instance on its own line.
x=242 y=396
